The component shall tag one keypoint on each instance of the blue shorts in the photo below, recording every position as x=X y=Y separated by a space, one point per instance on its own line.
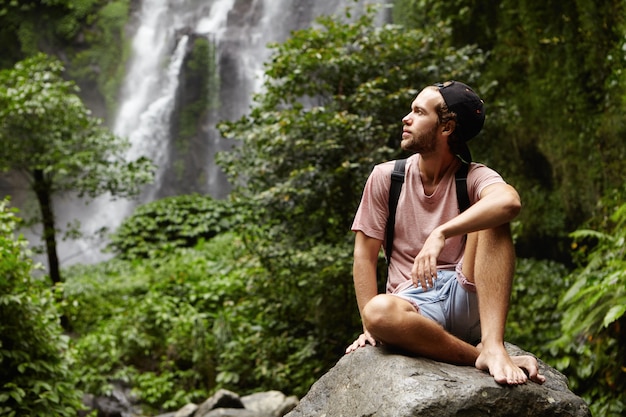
x=449 y=304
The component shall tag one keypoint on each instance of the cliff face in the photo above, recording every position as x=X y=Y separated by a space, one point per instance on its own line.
x=374 y=381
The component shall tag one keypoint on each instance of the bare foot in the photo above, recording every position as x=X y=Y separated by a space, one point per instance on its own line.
x=529 y=364
x=506 y=369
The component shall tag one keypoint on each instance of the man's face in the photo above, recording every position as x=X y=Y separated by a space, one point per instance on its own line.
x=420 y=126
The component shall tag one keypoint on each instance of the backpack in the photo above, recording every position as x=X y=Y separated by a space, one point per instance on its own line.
x=397 y=180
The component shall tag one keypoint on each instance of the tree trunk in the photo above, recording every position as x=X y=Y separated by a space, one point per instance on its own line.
x=43 y=190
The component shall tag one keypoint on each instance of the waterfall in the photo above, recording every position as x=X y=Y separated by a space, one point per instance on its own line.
x=240 y=31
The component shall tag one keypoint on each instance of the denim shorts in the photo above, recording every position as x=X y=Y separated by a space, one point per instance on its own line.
x=449 y=304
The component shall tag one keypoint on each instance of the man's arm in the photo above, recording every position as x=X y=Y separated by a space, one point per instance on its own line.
x=498 y=204
x=366 y=251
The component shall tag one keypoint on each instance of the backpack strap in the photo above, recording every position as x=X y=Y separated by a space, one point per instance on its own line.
x=397 y=179
x=462 y=197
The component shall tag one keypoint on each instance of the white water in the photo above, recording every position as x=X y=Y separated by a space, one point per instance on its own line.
x=148 y=94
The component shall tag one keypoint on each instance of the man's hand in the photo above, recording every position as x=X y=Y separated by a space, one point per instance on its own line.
x=424 y=268
x=361 y=341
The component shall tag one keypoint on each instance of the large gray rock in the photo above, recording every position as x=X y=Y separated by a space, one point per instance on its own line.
x=374 y=381
x=270 y=403
x=226 y=403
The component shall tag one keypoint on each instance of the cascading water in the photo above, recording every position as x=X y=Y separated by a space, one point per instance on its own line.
x=239 y=31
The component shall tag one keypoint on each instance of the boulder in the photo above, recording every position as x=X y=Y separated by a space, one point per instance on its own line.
x=221 y=399
x=226 y=403
x=270 y=403
x=376 y=381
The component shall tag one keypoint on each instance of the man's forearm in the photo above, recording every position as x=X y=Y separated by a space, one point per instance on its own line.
x=365 y=287
x=495 y=208
x=364 y=268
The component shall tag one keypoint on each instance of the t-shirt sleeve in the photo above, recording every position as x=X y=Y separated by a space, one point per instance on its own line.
x=371 y=216
x=480 y=177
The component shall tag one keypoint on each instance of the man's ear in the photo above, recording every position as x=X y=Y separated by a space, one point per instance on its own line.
x=448 y=127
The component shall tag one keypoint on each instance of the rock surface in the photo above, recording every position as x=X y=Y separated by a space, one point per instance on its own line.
x=375 y=381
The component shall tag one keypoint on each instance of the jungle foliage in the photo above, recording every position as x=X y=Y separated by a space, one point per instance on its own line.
x=50 y=138
x=555 y=72
x=160 y=326
x=264 y=300
x=156 y=228
x=330 y=109
x=592 y=349
x=88 y=35
x=36 y=377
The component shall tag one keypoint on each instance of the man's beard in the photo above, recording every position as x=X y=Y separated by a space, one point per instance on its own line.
x=425 y=143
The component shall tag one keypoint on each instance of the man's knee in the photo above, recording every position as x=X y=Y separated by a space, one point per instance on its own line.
x=379 y=312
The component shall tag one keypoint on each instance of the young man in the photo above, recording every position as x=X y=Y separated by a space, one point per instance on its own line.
x=443 y=263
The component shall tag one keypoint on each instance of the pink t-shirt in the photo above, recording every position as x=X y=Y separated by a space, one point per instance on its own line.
x=417 y=214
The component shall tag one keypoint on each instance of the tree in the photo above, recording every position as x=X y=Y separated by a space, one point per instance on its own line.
x=331 y=108
x=49 y=136
x=28 y=26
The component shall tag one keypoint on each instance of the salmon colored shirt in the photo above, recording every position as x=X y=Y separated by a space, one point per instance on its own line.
x=417 y=214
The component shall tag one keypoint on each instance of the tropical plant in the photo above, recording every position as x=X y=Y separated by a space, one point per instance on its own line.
x=593 y=345
x=158 y=327
x=27 y=27
x=156 y=228
x=36 y=377
x=88 y=35
x=534 y=320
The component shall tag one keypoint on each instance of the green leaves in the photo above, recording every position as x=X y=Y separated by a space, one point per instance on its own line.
x=160 y=326
x=36 y=377
x=49 y=136
x=615 y=312
x=534 y=320
x=159 y=227
x=44 y=125
x=600 y=286
x=594 y=314
x=331 y=108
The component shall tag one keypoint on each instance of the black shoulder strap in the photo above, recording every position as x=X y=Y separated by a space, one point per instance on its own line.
x=397 y=179
x=461 y=187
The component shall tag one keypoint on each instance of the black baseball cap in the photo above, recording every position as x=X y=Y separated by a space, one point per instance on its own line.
x=469 y=108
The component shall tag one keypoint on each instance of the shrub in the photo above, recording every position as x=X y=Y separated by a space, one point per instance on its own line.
x=159 y=227
x=156 y=325
x=534 y=318
x=296 y=326
x=593 y=345
x=36 y=379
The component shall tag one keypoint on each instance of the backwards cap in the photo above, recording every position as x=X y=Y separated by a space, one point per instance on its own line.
x=463 y=101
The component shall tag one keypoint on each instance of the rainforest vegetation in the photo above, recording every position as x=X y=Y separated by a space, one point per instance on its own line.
x=254 y=292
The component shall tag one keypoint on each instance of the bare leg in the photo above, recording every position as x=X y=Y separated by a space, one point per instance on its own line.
x=395 y=322
x=490 y=259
